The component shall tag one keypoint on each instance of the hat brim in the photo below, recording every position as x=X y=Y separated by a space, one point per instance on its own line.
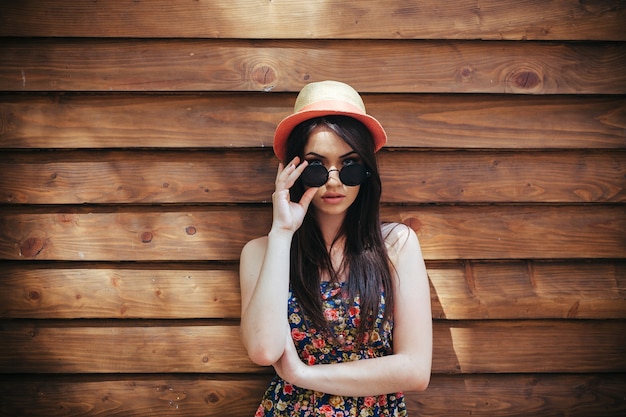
x=284 y=128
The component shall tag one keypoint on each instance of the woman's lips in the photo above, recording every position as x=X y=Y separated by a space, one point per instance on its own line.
x=333 y=198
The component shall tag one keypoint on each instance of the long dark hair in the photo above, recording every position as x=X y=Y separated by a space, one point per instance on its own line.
x=365 y=255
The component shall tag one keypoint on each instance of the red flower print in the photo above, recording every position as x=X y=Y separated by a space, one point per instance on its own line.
x=369 y=401
x=288 y=388
x=331 y=314
x=319 y=343
x=327 y=410
x=297 y=335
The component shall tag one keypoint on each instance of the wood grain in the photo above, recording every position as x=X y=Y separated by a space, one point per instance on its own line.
x=128 y=291
x=459 y=19
x=219 y=233
x=516 y=232
x=122 y=347
x=485 y=346
x=248 y=177
x=147 y=396
x=254 y=65
x=521 y=395
x=244 y=120
x=496 y=395
x=216 y=234
x=528 y=289
x=503 y=177
x=459 y=290
x=108 y=177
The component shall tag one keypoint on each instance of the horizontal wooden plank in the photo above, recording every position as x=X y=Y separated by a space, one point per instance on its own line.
x=516 y=232
x=528 y=289
x=516 y=346
x=147 y=396
x=219 y=233
x=374 y=66
x=102 y=291
x=458 y=347
x=503 y=177
x=204 y=234
x=237 y=120
x=226 y=177
x=152 y=396
x=460 y=19
x=132 y=396
x=138 y=177
x=136 y=347
x=521 y=395
x=459 y=290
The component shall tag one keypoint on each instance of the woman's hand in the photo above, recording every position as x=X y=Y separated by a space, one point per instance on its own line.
x=288 y=215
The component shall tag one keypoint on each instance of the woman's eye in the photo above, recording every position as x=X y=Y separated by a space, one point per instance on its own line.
x=350 y=161
x=315 y=162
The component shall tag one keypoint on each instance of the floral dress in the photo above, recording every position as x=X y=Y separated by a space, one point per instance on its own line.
x=284 y=399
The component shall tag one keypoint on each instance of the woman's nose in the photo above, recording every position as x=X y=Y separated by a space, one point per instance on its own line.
x=334 y=177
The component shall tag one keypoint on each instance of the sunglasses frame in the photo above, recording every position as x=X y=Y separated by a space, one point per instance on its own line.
x=363 y=173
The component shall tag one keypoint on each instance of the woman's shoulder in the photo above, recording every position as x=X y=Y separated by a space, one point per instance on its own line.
x=394 y=233
x=396 y=237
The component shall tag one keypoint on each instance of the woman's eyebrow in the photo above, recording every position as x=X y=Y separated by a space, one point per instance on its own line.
x=315 y=154
x=349 y=154
x=323 y=157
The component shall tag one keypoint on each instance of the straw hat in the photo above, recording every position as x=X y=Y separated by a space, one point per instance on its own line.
x=326 y=98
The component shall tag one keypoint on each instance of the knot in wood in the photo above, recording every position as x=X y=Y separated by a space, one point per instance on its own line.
x=146 y=237
x=264 y=75
x=212 y=398
x=525 y=79
x=467 y=72
x=32 y=247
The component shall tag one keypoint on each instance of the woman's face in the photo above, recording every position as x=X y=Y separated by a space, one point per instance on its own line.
x=325 y=147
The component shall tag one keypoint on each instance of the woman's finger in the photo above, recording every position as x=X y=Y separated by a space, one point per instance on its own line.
x=287 y=176
x=307 y=197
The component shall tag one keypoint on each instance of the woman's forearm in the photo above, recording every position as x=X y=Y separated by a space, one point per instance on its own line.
x=367 y=377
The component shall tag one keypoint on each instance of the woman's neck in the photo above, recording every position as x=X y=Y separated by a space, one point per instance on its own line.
x=329 y=227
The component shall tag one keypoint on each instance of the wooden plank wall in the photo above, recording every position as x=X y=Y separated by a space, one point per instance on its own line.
x=136 y=160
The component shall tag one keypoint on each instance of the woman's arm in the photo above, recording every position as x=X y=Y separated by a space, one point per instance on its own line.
x=409 y=367
x=264 y=282
x=264 y=273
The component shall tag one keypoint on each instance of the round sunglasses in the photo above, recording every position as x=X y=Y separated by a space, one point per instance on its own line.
x=351 y=175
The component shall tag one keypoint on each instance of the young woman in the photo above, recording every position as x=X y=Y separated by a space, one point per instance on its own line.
x=335 y=301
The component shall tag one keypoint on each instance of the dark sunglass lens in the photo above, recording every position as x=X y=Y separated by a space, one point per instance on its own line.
x=314 y=176
x=353 y=174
